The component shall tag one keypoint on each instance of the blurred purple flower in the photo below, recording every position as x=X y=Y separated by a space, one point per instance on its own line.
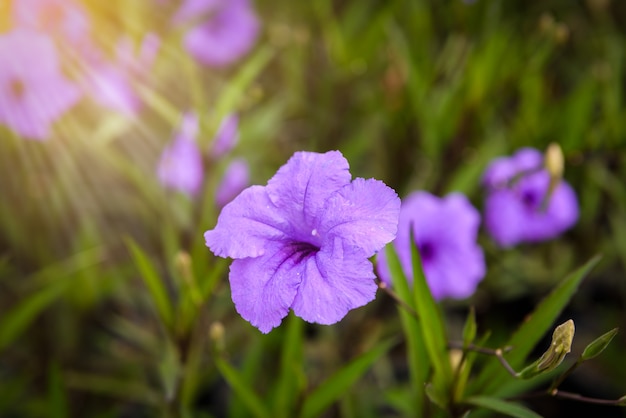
x=227 y=31
x=516 y=209
x=180 y=167
x=33 y=91
x=236 y=179
x=65 y=19
x=445 y=231
x=226 y=137
x=303 y=241
x=112 y=84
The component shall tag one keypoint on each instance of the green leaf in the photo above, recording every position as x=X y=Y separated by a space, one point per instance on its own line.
x=335 y=386
x=238 y=84
x=598 y=345
x=57 y=400
x=469 y=330
x=419 y=365
x=243 y=393
x=434 y=333
x=290 y=381
x=153 y=282
x=494 y=378
x=503 y=407
x=16 y=321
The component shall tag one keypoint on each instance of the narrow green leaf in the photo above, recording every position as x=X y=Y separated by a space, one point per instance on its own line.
x=335 y=386
x=598 y=345
x=237 y=85
x=16 y=321
x=290 y=380
x=419 y=365
x=494 y=378
x=243 y=392
x=107 y=386
x=57 y=401
x=153 y=282
x=435 y=333
x=503 y=407
x=469 y=330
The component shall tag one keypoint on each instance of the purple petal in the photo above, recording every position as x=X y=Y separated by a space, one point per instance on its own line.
x=503 y=213
x=301 y=187
x=236 y=179
x=226 y=137
x=517 y=214
x=335 y=281
x=445 y=231
x=33 y=91
x=180 y=166
x=227 y=35
x=247 y=225
x=263 y=288
x=456 y=273
x=364 y=214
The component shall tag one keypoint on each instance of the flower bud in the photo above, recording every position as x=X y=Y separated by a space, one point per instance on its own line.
x=216 y=334
x=561 y=345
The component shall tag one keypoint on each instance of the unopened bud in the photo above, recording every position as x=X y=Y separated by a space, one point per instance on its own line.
x=554 y=161
x=456 y=356
x=561 y=345
x=183 y=265
x=561 y=33
x=216 y=334
x=546 y=23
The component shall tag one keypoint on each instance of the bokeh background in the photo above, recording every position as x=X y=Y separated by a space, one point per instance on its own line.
x=421 y=94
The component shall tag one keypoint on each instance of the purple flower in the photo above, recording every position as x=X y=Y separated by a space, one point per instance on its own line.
x=227 y=32
x=236 y=179
x=180 y=167
x=445 y=231
x=226 y=137
x=516 y=209
x=65 y=19
x=112 y=83
x=33 y=91
x=303 y=241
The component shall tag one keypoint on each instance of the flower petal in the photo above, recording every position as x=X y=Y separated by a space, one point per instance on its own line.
x=263 y=288
x=364 y=214
x=335 y=281
x=247 y=225
x=304 y=183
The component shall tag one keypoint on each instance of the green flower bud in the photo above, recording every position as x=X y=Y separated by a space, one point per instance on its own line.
x=561 y=345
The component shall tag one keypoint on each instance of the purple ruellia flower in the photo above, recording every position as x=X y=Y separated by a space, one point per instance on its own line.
x=112 y=83
x=445 y=231
x=65 y=19
x=236 y=179
x=226 y=137
x=227 y=31
x=303 y=241
x=180 y=167
x=517 y=208
x=33 y=91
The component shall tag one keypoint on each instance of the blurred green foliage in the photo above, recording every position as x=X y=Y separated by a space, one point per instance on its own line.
x=111 y=306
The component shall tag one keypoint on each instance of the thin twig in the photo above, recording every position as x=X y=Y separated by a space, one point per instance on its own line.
x=576 y=397
x=498 y=352
x=394 y=296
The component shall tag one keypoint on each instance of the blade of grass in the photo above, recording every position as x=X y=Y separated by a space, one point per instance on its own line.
x=336 y=386
x=493 y=378
x=434 y=334
x=419 y=366
x=153 y=282
x=245 y=393
x=503 y=407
